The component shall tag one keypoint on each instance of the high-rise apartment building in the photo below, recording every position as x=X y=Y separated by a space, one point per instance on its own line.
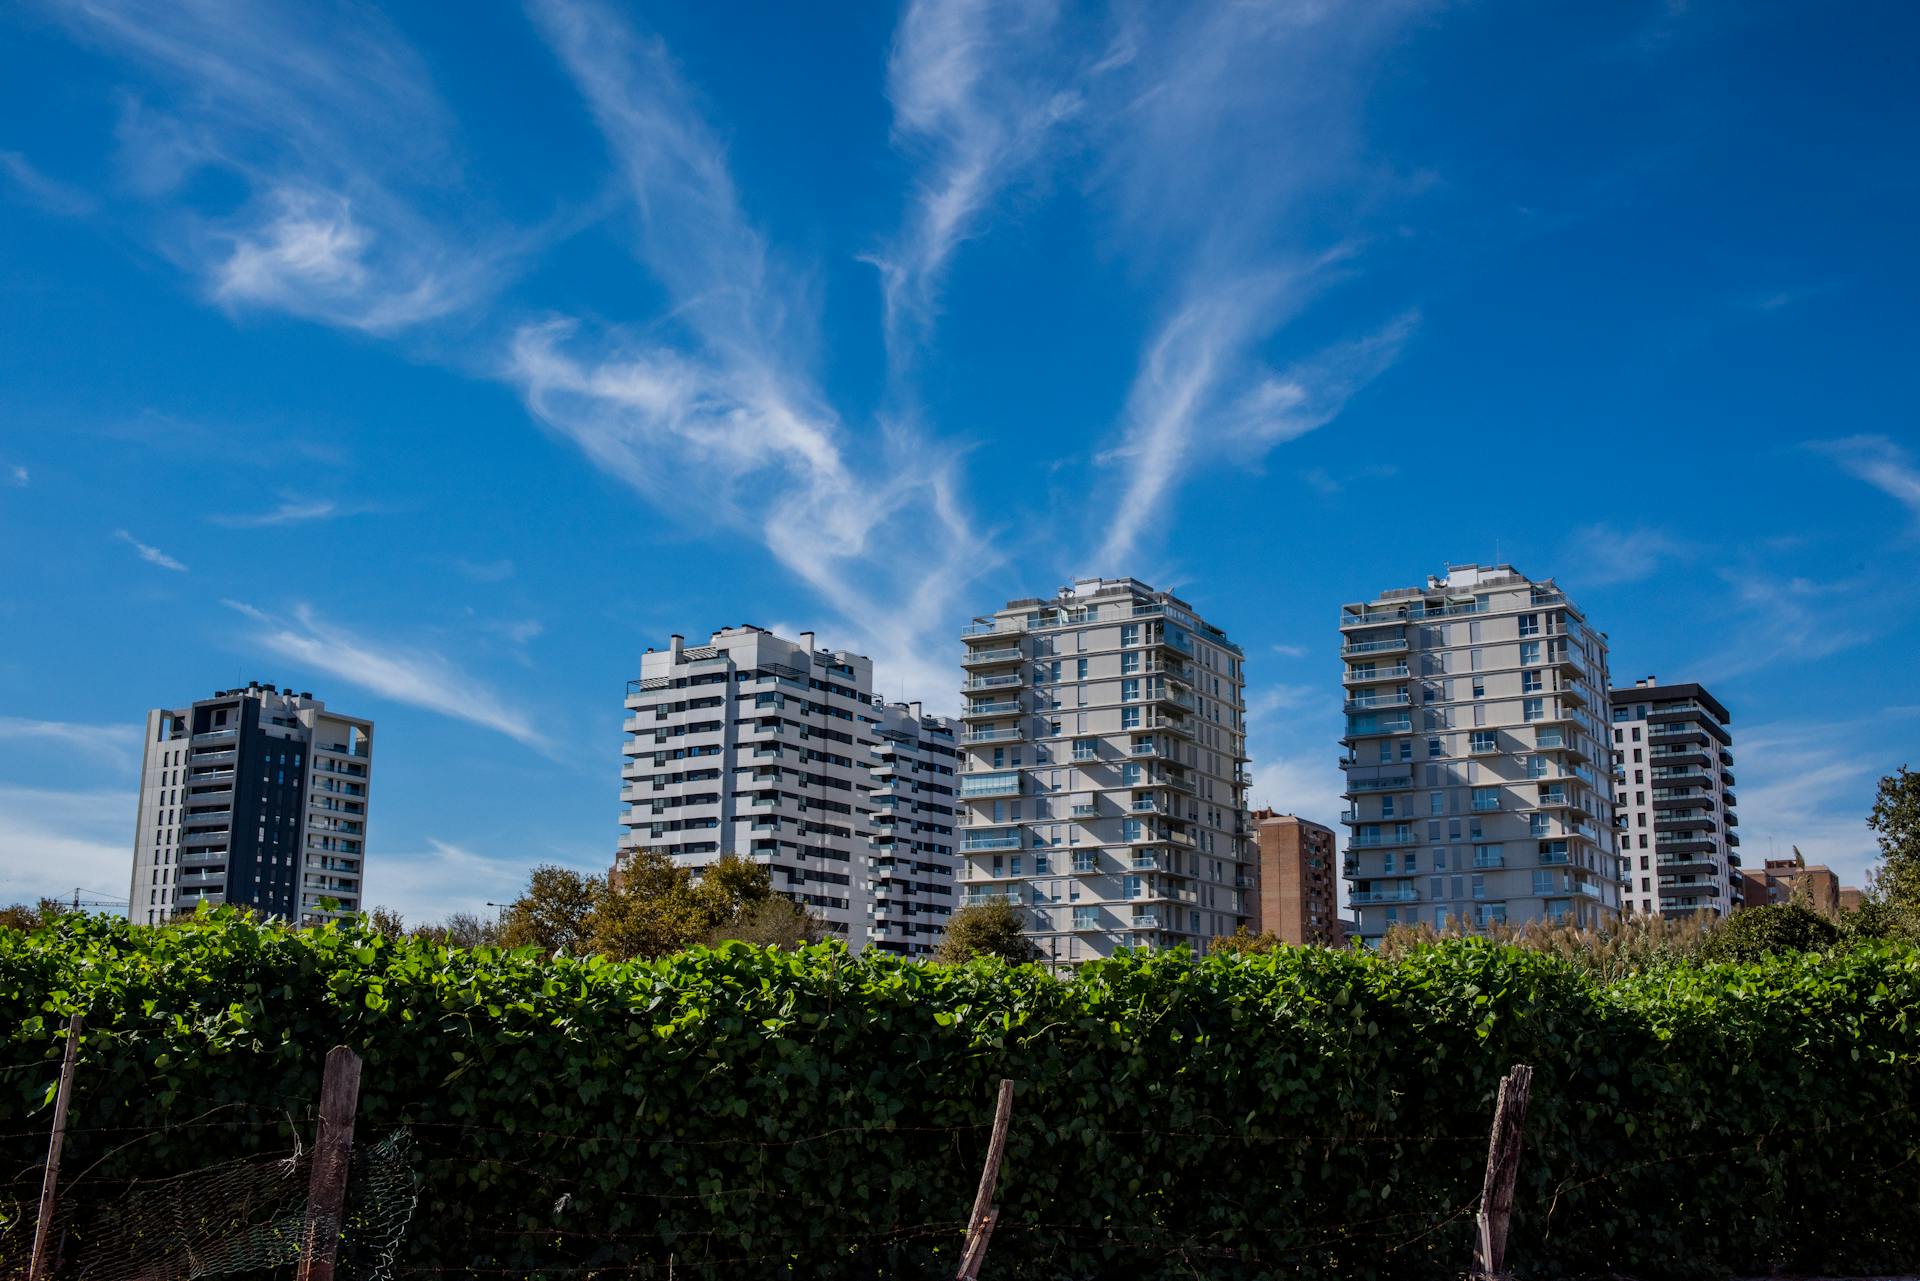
x=911 y=866
x=1476 y=755
x=254 y=797
x=763 y=747
x=1298 y=899
x=1105 y=770
x=1673 y=795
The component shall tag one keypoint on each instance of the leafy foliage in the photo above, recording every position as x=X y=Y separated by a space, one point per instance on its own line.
x=1627 y=946
x=1754 y=932
x=751 y=1112
x=986 y=929
x=1896 y=821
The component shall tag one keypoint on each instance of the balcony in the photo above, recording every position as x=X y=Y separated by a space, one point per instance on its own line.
x=1007 y=681
x=1399 y=894
x=997 y=707
x=1372 y=675
x=995 y=841
x=1386 y=646
x=1385 y=727
x=1004 y=734
x=1179 y=698
x=988 y=657
x=977 y=786
x=1147 y=921
x=993 y=896
x=1379 y=700
x=1398 y=782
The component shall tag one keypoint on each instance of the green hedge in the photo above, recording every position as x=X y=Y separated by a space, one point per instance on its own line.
x=754 y=1113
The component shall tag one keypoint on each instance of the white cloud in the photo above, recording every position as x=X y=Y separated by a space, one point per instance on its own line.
x=114 y=744
x=1603 y=556
x=292 y=511
x=973 y=90
x=1879 y=462
x=416 y=677
x=330 y=124
x=489 y=571
x=54 y=841
x=1291 y=651
x=47 y=192
x=427 y=886
x=16 y=475
x=1242 y=261
x=1811 y=785
x=151 y=555
x=1784 y=618
x=722 y=403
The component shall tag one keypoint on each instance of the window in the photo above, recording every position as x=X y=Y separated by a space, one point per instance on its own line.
x=1529 y=624
x=1479 y=887
x=1542 y=881
x=1479 y=688
x=1529 y=653
x=1412 y=863
x=1130 y=718
x=1489 y=856
x=1386 y=807
x=1537 y=825
x=1486 y=798
x=1086 y=749
x=1041 y=867
x=1130 y=774
x=1536 y=767
x=1406 y=749
x=1434 y=748
x=1129 y=691
x=1133 y=886
x=1130 y=662
x=1485 y=740
x=1080 y=669
x=1086 y=918
x=1086 y=860
x=1130 y=829
x=1129 y=633
x=1530 y=682
x=1533 y=709
x=1436 y=802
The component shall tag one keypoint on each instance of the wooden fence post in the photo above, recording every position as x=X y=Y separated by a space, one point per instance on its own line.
x=332 y=1157
x=1503 y=1163
x=980 y=1226
x=50 y=1180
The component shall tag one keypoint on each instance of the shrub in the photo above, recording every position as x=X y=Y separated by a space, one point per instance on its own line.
x=1754 y=932
x=749 y=1112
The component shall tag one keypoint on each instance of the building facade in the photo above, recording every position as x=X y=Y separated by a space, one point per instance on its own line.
x=1104 y=771
x=1673 y=789
x=1476 y=756
x=1782 y=880
x=762 y=747
x=257 y=798
x=1295 y=861
x=912 y=866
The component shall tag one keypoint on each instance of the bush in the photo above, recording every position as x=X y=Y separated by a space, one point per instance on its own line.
x=1754 y=932
x=750 y=1112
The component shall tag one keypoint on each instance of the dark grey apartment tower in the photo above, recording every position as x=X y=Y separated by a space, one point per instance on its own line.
x=253 y=797
x=1673 y=773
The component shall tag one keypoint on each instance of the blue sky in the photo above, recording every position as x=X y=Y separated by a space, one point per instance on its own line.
x=440 y=361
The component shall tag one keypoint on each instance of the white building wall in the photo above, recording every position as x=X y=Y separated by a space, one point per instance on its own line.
x=912 y=866
x=1104 y=781
x=762 y=747
x=1476 y=756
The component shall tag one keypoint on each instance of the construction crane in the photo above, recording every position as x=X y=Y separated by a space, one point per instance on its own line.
x=99 y=901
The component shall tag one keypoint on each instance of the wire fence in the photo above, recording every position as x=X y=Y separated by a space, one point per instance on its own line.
x=119 y=1215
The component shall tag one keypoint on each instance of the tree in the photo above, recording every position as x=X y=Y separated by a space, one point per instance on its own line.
x=460 y=929
x=556 y=912
x=647 y=908
x=1245 y=943
x=387 y=923
x=772 y=922
x=1896 y=821
x=1754 y=932
x=987 y=929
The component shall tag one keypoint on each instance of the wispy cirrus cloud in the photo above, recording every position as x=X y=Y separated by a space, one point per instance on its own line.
x=1878 y=461
x=113 y=744
x=1205 y=84
x=150 y=554
x=286 y=101
x=431 y=884
x=723 y=397
x=978 y=89
x=1603 y=555
x=41 y=189
x=291 y=511
x=416 y=676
